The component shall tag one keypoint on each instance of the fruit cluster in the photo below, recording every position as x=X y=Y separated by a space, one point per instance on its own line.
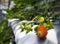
x=42 y=28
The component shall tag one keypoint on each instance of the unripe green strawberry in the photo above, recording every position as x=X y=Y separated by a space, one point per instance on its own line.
x=28 y=28
x=21 y=26
x=41 y=19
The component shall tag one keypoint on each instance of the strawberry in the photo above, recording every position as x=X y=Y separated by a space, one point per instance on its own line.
x=42 y=31
x=41 y=19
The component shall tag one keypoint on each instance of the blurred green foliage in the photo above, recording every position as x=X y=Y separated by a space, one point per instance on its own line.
x=5 y=32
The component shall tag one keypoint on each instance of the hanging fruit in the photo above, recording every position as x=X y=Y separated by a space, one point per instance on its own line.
x=41 y=19
x=42 y=31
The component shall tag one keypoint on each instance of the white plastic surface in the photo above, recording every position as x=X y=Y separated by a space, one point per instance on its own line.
x=31 y=37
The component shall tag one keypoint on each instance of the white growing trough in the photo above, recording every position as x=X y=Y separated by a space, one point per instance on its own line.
x=31 y=37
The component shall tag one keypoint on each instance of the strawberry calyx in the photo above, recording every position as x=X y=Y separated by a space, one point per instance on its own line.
x=39 y=33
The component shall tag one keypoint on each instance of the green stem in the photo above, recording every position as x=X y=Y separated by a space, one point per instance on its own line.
x=34 y=18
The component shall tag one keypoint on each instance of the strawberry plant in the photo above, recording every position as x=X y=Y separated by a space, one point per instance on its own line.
x=40 y=11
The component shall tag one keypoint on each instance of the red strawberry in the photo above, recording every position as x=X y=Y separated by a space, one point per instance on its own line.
x=42 y=31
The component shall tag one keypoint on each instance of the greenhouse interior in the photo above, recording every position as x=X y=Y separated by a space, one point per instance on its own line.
x=29 y=21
